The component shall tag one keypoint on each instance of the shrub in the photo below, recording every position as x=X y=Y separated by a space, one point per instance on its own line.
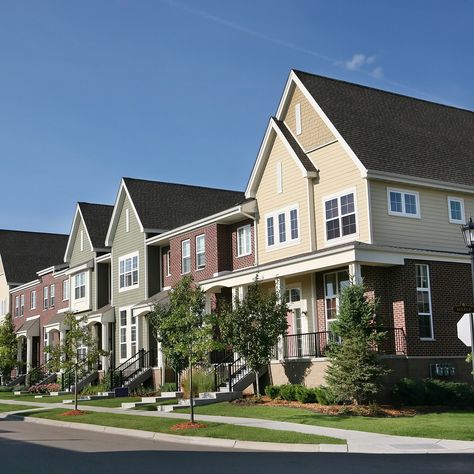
x=324 y=396
x=44 y=388
x=306 y=395
x=203 y=381
x=6 y=389
x=168 y=387
x=94 y=389
x=409 y=392
x=142 y=391
x=272 y=391
x=288 y=392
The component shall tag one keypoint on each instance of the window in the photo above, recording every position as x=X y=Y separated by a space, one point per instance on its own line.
x=46 y=297
x=65 y=290
x=128 y=272
x=123 y=334
x=17 y=306
x=340 y=216
x=127 y=220
x=22 y=305
x=403 y=203
x=244 y=243
x=185 y=256
x=293 y=295
x=288 y=229
x=423 y=299
x=279 y=173
x=168 y=263
x=456 y=210
x=298 y=119
x=80 y=286
x=33 y=299
x=82 y=240
x=133 y=334
x=52 y=295
x=200 y=252
x=334 y=283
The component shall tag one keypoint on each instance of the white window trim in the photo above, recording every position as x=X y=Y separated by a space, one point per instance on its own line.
x=128 y=333
x=427 y=290
x=298 y=127
x=244 y=228
x=85 y=286
x=276 y=231
x=127 y=220
x=52 y=295
x=403 y=213
x=125 y=257
x=33 y=299
x=45 y=298
x=463 y=215
x=168 y=263
x=199 y=253
x=82 y=240
x=68 y=290
x=343 y=238
x=187 y=256
x=279 y=174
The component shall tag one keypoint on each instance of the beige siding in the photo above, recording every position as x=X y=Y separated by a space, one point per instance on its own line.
x=338 y=173
x=269 y=200
x=432 y=231
x=314 y=131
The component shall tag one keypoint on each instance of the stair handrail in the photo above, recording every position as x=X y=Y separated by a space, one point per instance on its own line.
x=140 y=360
x=220 y=370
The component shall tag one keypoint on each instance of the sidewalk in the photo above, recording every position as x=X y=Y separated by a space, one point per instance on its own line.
x=357 y=441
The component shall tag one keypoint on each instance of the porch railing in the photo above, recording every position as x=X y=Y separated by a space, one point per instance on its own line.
x=316 y=344
x=132 y=367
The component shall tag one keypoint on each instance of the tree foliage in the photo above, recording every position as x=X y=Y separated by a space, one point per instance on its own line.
x=182 y=327
x=252 y=327
x=8 y=347
x=355 y=371
x=79 y=336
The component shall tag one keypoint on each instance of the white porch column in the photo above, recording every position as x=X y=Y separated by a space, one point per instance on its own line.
x=29 y=353
x=105 y=346
x=355 y=273
x=280 y=291
x=208 y=307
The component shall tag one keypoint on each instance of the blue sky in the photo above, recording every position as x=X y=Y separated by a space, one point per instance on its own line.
x=181 y=90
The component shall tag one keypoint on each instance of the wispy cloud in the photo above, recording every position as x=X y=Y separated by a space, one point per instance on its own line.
x=362 y=62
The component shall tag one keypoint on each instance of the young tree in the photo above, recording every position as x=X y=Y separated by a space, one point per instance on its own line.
x=8 y=347
x=355 y=370
x=252 y=327
x=183 y=328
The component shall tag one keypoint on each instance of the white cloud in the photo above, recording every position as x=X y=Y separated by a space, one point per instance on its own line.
x=362 y=62
x=378 y=72
x=357 y=61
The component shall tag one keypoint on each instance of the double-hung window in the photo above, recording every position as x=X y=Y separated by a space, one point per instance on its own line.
x=185 y=256
x=423 y=299
x=200 y=251
x=52 y=295
x=334 y=283
x=65 y=290
x=46 y=297
x=168 y=263
x=456 y=210
x=22 y=305
x=340 y=216
x=123 y=334
x=128 y=272
x=80 y=286
x=287 y=228
x=403 y=203
x=33 y=299
x=17 y=306
x=244 y=242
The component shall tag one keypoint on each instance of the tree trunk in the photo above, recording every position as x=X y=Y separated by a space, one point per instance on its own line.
x=257 y=383
x=191 y=398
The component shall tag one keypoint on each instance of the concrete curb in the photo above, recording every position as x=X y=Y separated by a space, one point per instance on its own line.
x=196 y=440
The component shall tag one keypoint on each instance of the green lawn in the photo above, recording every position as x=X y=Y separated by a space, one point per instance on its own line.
x=153 y=406
x=5 y=407
x=449 y=425
x=162 y=425
x=105 y=402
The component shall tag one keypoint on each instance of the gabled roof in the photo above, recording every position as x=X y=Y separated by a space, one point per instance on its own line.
x=25 y=253
x=392 y=133
x=163 y=206
x=96 y=219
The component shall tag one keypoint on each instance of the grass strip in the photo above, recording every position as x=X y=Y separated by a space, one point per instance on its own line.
x=163 y=425
x=4 y=407
x=457 y=425
x=104 y=402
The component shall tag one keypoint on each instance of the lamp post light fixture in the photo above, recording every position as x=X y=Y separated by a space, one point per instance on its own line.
x=468 y=233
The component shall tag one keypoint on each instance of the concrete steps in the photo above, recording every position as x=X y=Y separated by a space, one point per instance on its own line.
x=150 y=400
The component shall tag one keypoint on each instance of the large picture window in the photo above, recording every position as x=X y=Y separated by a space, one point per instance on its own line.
x=128 y=272
x=340 y=216
x=423 y=299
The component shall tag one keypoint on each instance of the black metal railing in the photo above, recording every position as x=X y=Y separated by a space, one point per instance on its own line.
x=84 y=369
x=317 y=344
x=221 y=371
x=126 y=371
x=235 y=371
x=38 y=374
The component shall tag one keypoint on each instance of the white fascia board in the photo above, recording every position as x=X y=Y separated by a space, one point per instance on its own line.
x=162 y=238
x=122 y=192
x=85 y=227
x=25 y=286
x=45 y=271
x=422 y=182
x=78 y=268
x=104 y=258
x=294 y=78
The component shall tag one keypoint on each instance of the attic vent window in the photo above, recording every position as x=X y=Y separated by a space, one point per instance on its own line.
x=82 y=240
x=298 y=119
x=127 y=221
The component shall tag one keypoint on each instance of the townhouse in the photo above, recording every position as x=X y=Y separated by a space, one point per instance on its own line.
x=350 y=184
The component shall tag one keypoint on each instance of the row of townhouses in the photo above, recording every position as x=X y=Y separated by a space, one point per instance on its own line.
x=350 y=184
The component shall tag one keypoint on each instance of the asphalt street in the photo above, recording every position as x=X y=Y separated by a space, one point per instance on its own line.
x=38 y=449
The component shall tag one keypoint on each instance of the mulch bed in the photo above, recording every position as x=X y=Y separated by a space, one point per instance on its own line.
x=187 y=426
x=73 y=413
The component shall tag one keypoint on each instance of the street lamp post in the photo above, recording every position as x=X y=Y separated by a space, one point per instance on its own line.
x=468 y=234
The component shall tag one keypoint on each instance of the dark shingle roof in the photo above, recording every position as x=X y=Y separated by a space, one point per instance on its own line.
x=302 y=156
x=167 y=206
x=25 y=253
x=398 y=134
x=97 y=219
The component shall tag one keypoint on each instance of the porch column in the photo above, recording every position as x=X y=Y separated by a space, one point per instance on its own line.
x=208 y=307
x=145 y=332
x=280 y=291
x=105 y=339
x=29 y=353
x=19 y=353
x=62 y=339
x=355 y=273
